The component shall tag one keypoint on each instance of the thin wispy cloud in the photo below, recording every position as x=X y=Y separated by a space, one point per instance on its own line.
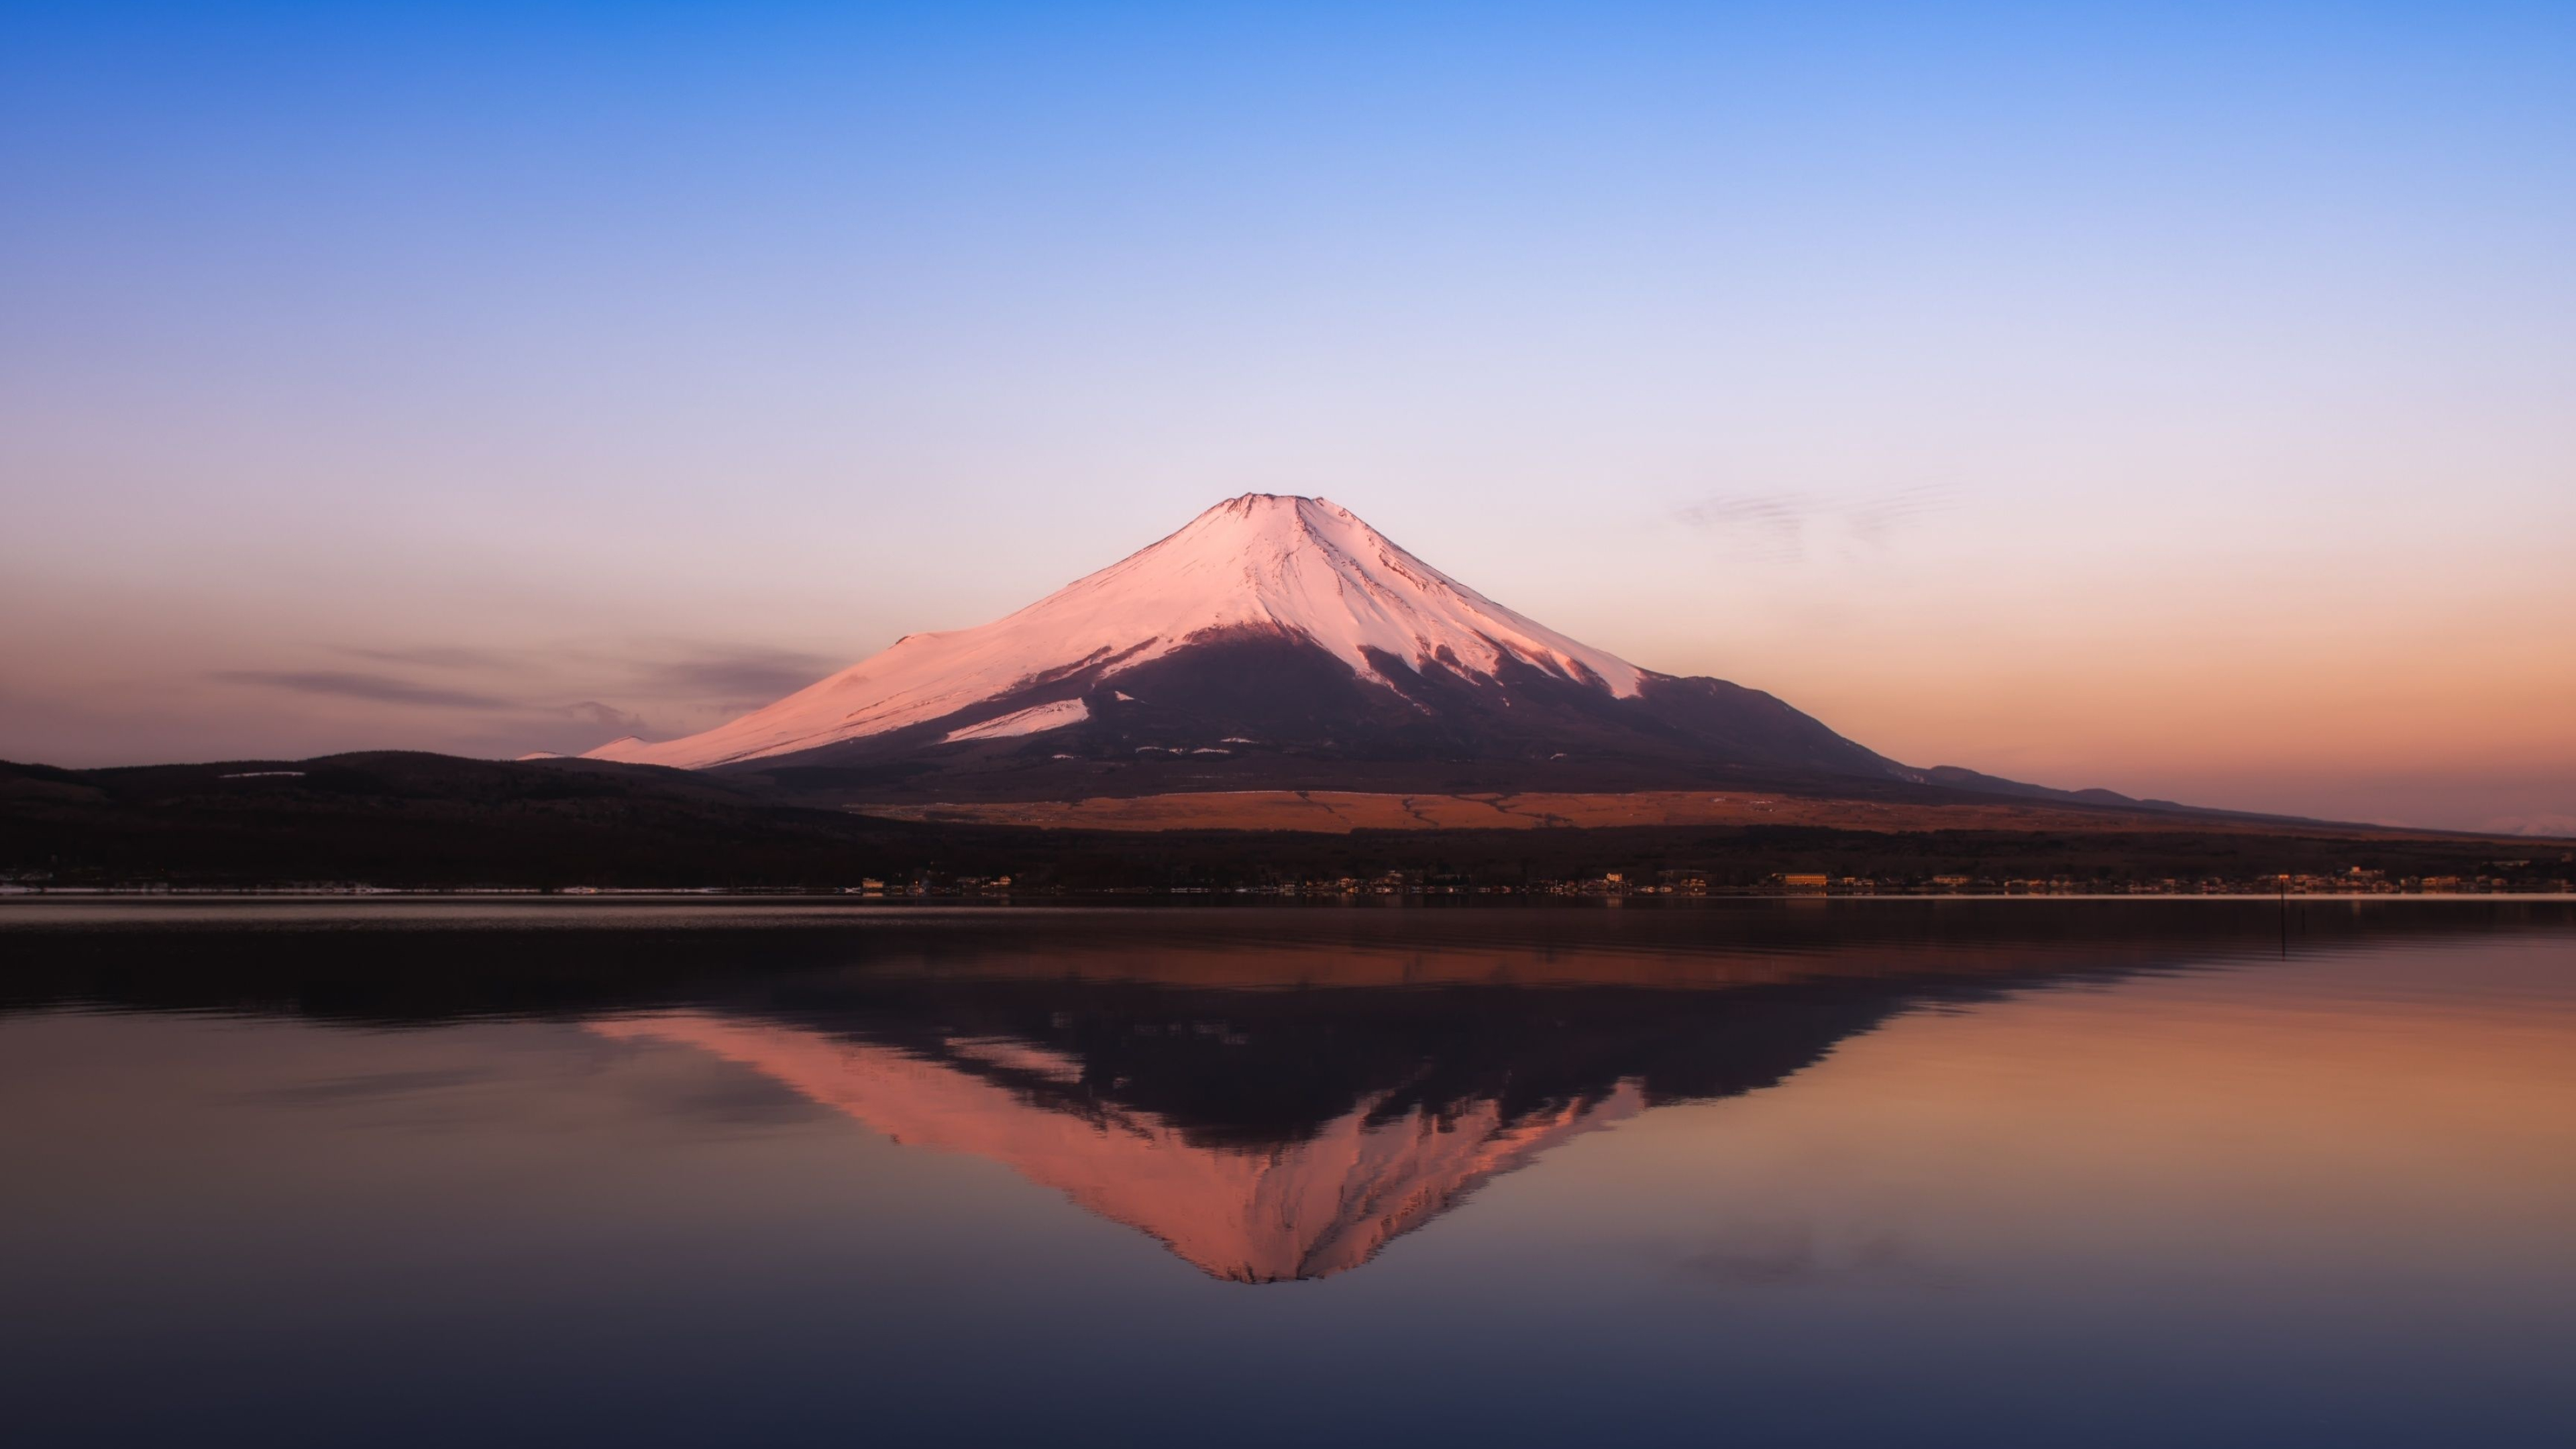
x=1872 y=520
x=1784 y=526
x=1772 y=525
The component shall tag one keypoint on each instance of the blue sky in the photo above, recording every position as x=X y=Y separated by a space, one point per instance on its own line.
x=2096 y=394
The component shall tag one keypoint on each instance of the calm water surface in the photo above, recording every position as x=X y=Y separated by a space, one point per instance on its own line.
x=1868 y=1172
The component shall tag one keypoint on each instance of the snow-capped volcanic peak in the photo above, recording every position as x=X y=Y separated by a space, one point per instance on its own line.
x=1301 y=567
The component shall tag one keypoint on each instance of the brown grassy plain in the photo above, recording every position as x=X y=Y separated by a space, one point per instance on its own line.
x=1343 y=811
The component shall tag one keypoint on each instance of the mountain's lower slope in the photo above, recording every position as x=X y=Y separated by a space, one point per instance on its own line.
x=1268 y=710
x=1346 y=811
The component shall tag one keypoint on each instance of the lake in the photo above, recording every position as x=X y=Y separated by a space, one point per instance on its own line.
x=1825 y=1172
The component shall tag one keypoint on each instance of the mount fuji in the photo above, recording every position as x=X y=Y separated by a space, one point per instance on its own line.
x=1274 y=642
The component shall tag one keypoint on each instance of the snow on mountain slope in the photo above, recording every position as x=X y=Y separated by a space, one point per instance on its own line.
x=1305 y=567
x=1023 y=722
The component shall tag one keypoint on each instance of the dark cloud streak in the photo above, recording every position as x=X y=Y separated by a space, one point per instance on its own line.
x=374 y=688
x=441 y=657
x=717 y=673
x=761 y=674
x=607 y=717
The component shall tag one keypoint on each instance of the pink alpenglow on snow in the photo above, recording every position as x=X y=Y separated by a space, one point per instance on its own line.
x=1253 y=1214
x=1303 y=568
x=1023 y=722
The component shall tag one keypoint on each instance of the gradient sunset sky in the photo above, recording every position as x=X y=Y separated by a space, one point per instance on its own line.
x=2177 y=399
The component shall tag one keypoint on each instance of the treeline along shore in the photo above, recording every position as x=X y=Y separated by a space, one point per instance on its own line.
x=411 y=821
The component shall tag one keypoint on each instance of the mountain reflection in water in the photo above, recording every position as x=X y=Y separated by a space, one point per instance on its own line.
x=1305 y=1207
x=1840 y=1173
x=1320 y=1104
x=1273 y=1096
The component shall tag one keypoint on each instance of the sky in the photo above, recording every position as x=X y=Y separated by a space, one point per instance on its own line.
x=2166 y=398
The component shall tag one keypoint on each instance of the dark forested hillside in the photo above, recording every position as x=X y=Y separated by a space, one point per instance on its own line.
x=417 y=820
